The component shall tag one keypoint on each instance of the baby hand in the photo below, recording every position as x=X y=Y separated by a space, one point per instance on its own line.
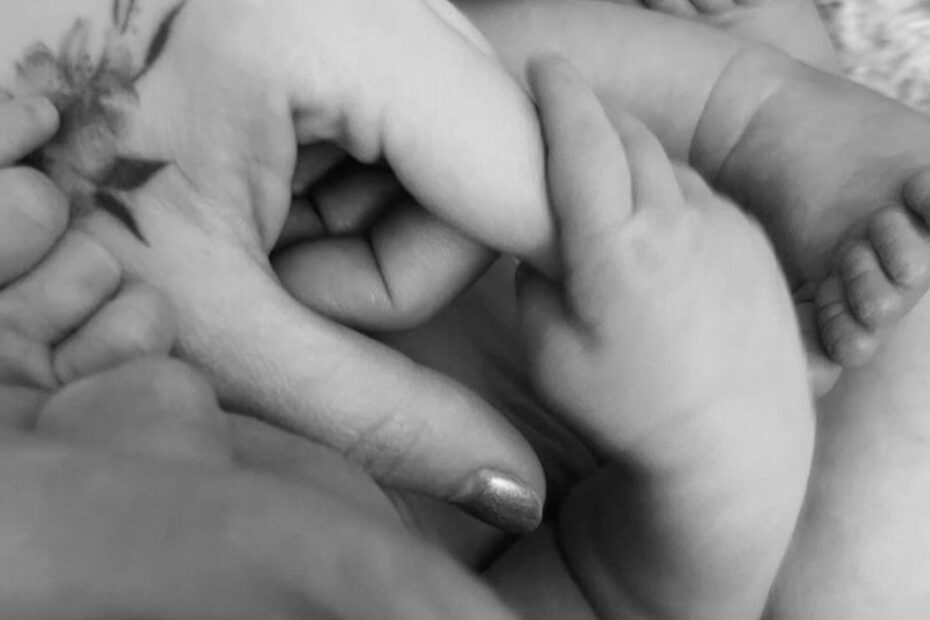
x=671 y=346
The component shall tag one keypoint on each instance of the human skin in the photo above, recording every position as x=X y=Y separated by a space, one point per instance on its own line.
x=793 y=26
x=697 y=458
x=176 y=422
x=108 y=518
x=128 y=492
x=66 y=310
x=739 y=113
x=179 y=119
x=862 y=547
x=384 y=441
x=475 y=342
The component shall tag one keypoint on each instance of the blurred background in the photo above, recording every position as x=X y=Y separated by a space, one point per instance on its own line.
x=884 y=44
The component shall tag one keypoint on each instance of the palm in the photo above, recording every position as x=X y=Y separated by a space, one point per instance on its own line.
x=188 y=136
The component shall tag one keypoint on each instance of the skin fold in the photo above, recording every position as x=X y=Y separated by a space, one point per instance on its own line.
x=165 y=160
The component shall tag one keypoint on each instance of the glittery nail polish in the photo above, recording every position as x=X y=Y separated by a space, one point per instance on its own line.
x=501 y=500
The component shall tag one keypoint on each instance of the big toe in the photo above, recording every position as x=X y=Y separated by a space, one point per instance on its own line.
x=33 y=214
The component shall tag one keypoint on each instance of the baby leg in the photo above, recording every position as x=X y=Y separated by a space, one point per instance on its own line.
x=862 y=548
x=827 y=166
x=793 y=26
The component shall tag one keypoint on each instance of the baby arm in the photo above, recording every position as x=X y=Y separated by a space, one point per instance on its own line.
x=662 y=70
x=671 y=347
x=833 y=171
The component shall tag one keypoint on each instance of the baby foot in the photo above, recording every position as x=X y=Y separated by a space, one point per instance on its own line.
x=846 y=201
x=793 y=26
x=861 y=549
x=877 y=280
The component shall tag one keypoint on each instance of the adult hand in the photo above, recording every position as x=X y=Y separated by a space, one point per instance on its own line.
x=65 y=309
x=131 y=500
x=189 y=141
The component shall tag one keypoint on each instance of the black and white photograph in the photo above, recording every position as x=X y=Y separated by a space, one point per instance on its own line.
x=464 y=310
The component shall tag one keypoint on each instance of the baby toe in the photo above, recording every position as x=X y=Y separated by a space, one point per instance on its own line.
x=822 y=373
x=844 y=339
x=903 y=248
x=873 y=300
x=917 y=194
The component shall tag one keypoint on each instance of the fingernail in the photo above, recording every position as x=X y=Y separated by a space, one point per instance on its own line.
x=500 y=500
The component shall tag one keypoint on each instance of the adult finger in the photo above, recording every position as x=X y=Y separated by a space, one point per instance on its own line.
x=408 y=266
x=258 y=446
x=137 y=538
x=458 y=22
x=473 y=161
x=346 y=201
x=358 y=249
x=154 y=408
x=313 y=163
x=34 y=215
x=25 y=125
x=408 y=426
x=636 y=171
x=21 y=406
x=138 y=322
x=63 y=291
x=271 y=357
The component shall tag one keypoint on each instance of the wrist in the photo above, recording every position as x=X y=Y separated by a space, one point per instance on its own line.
x=701 y=533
